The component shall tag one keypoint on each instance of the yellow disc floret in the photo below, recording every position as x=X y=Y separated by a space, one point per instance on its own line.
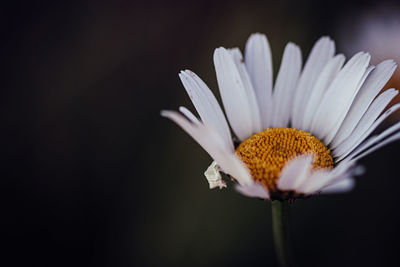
x=266 y=152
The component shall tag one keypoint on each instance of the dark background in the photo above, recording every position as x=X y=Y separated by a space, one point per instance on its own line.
x=91 y=175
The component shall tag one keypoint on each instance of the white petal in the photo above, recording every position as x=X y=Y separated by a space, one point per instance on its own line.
x=328 y=139
x=314 y=182
x=343 y=186
x=189 y=115
x=370 y=89
x=391 y=139
x=373 y=143
x=367 y=124
x=213 y=176
x=322 y=178
x=295 y=172
x=339 y=96
x=254 y=190
x=238 y=59
x=206 y=137
x=258 y=62
x=369 y=117
x=322 y=84
x=233 y=94
x=284 y=86
x=235 y=167
x=320 y=54
x=206 y=104
x=215 y=147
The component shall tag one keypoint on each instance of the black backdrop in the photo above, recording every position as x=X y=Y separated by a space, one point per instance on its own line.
x=92 y=176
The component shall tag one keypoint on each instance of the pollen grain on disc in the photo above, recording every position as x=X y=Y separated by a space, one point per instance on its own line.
x=266 y=152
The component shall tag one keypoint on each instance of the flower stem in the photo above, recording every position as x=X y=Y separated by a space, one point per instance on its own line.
x=280 y=214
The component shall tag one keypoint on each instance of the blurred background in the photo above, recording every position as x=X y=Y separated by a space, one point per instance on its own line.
x=91 y=175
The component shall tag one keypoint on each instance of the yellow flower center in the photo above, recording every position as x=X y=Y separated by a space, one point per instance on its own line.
x=266 y=152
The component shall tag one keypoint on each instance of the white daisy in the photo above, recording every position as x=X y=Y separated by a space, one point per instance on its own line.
x=298 y=137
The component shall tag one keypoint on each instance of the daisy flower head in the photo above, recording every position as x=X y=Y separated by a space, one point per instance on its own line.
x=298 y=136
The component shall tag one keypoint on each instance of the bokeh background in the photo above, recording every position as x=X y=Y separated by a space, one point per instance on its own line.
x=91 y=175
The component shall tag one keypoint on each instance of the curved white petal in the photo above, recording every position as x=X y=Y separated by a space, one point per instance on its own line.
x=206 y=104
x=215 y=147
x=233 y=94
x=391 y=139
x=314 y=182
x=258 y=62
x=343 y=186
x=324 y=80
x=189 y=115
x=254 y=190
x=238 y=59
x=295 y=172
x=284 y=86
x=339 y=97
x=367 y=124
x=320 y=54
x=322 y=178
x=328 y=139
x=370 y=89
x=389 y=135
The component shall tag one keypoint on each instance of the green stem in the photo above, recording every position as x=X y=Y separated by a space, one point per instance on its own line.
x=280 y=214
